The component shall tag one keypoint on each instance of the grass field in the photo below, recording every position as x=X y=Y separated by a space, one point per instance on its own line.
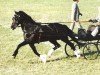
x=27 y=63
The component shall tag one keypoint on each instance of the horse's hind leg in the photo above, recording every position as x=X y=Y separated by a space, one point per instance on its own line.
x=69 y=43
x=42 y=57
x=56 y=44
x=72 y=36
x=20 y=45
x=76 y=52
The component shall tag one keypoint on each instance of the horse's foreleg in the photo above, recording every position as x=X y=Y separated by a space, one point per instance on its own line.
x=20 y=45
x=56 y=44
x=34 y=49
x=42 y=57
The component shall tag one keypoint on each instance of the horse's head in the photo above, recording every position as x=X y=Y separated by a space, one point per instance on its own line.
x=21 y=18
x=16 y=20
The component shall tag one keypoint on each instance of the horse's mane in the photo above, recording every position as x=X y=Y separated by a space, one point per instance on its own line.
x=26 y=17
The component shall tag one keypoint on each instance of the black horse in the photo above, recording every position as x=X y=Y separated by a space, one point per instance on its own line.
x=35 y=33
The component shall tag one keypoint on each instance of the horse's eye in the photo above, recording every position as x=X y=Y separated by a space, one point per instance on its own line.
x=16 y=18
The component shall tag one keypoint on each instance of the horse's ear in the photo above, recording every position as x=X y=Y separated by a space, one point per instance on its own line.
x=16 y=12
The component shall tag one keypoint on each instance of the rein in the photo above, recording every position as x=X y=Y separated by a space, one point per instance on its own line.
x=32 y=34
x=61 y=22
x=57 y=22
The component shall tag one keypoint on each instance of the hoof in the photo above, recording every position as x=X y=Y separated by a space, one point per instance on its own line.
x=43 y=58
x=78 y=56
x=77 y=53
x=50 y=52
x=14 y=56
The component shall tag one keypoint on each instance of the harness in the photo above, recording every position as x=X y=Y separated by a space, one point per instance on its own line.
x=31 y=34
x=36 y=30
x=52 y=28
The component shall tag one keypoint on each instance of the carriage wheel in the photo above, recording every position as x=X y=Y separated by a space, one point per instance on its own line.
x=98 y=43
x=68 y=51
x=90 y=51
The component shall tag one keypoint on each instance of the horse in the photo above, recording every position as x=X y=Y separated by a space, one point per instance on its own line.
x=35 y=32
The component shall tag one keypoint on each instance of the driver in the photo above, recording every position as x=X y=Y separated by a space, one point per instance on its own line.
x=96 y=20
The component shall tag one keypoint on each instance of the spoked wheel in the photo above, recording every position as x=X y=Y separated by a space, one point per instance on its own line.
x=98 y=43
x=90 y=51
x=68 y=51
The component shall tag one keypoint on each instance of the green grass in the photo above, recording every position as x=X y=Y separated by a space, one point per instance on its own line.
x=27 y=63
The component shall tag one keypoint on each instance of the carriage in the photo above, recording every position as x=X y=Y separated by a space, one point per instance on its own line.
x=91 y=44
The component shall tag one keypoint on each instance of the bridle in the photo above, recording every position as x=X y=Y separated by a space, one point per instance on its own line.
x=16 y=18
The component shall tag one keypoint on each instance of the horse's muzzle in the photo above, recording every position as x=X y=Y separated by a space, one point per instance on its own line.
x=12 y=27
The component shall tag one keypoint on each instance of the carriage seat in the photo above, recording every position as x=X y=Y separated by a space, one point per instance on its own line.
x=86 y=36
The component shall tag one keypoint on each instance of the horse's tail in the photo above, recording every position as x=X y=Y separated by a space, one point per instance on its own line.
x=72 y=35
x=74 y=38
